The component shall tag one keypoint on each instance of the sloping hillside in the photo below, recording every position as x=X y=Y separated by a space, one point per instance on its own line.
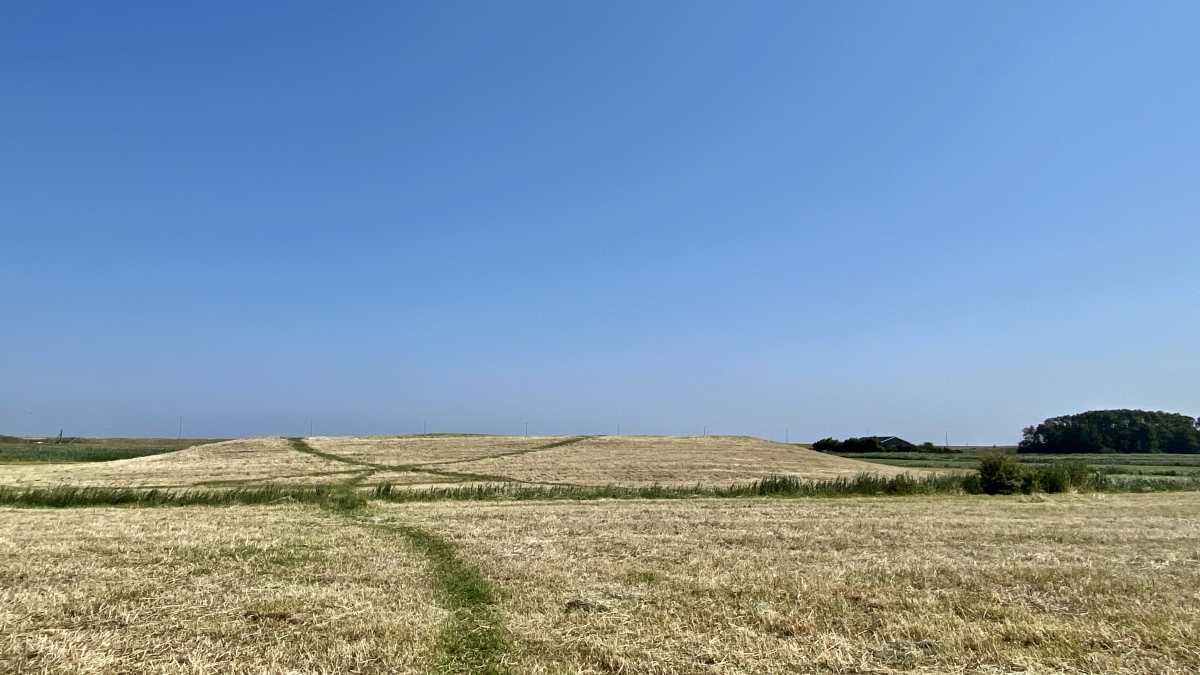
x=434 y=459
x=225 y=463
x=600 y=460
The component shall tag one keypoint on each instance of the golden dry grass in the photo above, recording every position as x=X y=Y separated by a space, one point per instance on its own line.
x=245 y=460
x=411 y=450
x=437 y=460
x=645 y=460
x=1072 y=584
x=203 y=590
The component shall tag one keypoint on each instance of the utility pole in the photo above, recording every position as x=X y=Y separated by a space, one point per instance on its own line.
x=424 y=425
x=947 y=439
x=618 y=429
x=179 y=438
x=705 y=432
x=310 y=421
x=785 y=434
x=527 y=430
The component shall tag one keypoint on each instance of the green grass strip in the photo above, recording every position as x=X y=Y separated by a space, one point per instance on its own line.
x=299 y=445
x=333 y=497
x=474 y=639
x=559 y=444
x=343 y=497
x=52 y=454
x=775 y=486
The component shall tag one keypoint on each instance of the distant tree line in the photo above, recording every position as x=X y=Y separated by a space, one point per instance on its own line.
x=866 y=444
x=872 y=444
x=1114 y=431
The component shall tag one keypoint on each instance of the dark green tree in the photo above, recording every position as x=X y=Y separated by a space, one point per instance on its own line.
x=1102 y=431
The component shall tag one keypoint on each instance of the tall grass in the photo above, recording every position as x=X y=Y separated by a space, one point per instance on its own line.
x=774 y=486
x=333 y=497
x=345 y=497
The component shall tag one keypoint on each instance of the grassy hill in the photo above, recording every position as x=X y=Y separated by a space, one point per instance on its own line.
x=14 y=450
x=429 y=460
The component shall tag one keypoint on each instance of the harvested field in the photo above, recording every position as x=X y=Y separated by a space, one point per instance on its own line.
x=934 y=584
x=412 y=479
x=437 y=460
x=229 y=462
x=645 y=460
x=423 y=449
x=229 y=590
x=938 y=585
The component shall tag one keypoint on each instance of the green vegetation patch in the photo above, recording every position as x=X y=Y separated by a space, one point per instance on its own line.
x=1110 y=431
x=333 y=497
x=70 y=450
x=1160 y=465
x=566 y=441
x=474 y=638
x=775 y=486
x=299 y=445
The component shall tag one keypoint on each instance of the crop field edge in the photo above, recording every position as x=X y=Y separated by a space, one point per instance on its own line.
x=348 y=497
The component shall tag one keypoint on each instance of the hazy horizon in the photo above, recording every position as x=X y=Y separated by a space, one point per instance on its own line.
x=834 y=219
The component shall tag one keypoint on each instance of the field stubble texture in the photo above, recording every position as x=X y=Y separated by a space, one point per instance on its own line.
x=209 y=590
x=347 y=570
x=938 y=584
x=227 y=463
x=442 y=460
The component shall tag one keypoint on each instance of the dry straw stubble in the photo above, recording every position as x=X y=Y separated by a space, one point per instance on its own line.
x=214 y=590
x=934 y=584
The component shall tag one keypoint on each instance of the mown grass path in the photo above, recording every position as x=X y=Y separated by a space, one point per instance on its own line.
x=473 y=639
x=299 y=445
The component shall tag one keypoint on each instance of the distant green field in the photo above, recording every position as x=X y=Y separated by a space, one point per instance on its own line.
x=15 y=450
x=1149 y=465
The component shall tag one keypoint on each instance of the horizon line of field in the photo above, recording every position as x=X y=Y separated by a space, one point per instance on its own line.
x=192 y=441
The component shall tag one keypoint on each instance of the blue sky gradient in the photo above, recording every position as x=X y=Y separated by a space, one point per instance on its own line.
x=835 y=218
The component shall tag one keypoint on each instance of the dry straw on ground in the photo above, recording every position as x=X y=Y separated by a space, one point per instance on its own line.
x=437 y=460
x=1074 y=584
x=204 y=590
x=226 y=463
x=424 y=449
x=671 y=460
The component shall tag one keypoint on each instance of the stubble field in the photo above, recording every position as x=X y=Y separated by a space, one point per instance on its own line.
x=1074 y=583
x=441 y=459
x=945 y=584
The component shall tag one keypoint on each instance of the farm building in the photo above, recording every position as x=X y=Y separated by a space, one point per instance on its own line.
x=894 y=443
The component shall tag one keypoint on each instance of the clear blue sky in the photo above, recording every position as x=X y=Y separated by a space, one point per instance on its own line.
x=839 y=218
